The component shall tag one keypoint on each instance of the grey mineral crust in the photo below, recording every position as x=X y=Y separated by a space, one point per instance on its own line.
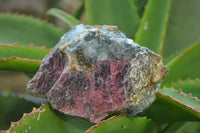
x=102 y=44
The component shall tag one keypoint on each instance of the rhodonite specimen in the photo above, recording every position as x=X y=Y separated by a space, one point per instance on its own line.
x=96 y=71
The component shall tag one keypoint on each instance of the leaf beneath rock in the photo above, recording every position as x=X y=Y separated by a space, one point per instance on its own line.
x=46 y=120
x=12 y=108
x=124 y=124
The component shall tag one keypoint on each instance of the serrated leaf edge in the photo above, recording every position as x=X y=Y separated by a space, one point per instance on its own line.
x=180 y=92
x=100 y=123
x=26 y=46
x=177 y=58
x=181 y=81
x=34 y=111
x=107 y=120
x=21 y=59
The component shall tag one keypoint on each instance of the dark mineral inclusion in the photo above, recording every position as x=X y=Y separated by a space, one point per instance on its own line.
x=96 y=71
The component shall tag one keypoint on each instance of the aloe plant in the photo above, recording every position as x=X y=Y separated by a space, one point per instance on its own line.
x=168 y=27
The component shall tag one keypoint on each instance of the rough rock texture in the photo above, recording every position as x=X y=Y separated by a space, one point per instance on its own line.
x=96 y=71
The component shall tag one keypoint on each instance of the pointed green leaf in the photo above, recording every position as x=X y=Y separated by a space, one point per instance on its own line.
x=22 y=51
x=124 y=124
x=172 y=106
x=46 y=120
x=121 y=13
x=12 y=108
x=27 y=30
x=183 y=28
x=17 y=57
x=188 y=86
x=20 y=64
x=185 y=65
x=63 y=16
x=154 y=22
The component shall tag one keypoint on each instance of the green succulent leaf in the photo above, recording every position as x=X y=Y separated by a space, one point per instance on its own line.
x=80 y=11
x=12 y=108
x=172 y=127
x=124 y=124
x=140 y=5
x=152 y=30
x=183 y=127
x=188 y=86
x=172 y=105
x=63 y=16
x=20 y=64
x=27 y=30
x=183 y=28
x=21 y=58
x=188 y=127
x=23 y=51
x=184 y=66
x=46 y=120
x=121 y=13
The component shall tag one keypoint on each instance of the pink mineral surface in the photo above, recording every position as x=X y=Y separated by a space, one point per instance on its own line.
x=96 y=71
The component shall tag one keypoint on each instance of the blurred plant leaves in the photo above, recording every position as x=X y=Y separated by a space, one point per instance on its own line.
x=80 y=11
x=68 y=19
x=27 y=30
x=183 y=28
x=121 y=13
x=154 y=22
x=124 y=124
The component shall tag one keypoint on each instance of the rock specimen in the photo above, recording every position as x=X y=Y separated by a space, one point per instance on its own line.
x=96 y=71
